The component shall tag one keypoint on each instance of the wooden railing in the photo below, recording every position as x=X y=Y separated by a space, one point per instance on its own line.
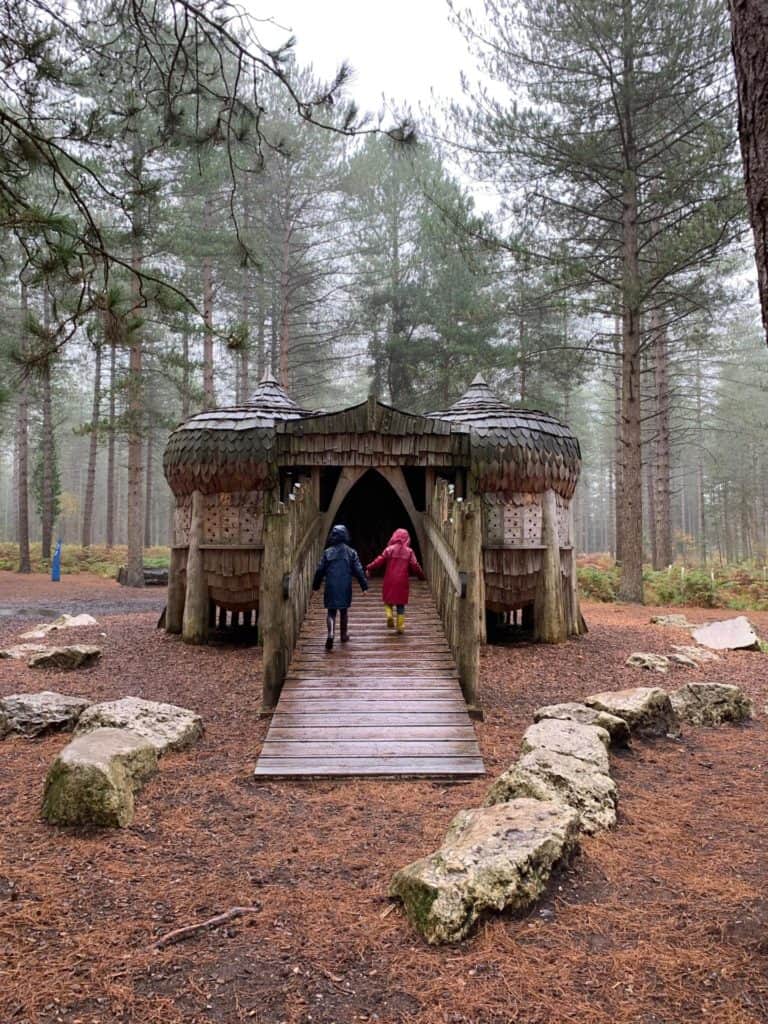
x=453 y=562
x=293 y=542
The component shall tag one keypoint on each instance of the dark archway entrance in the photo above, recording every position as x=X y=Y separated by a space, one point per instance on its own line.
x=372 y=511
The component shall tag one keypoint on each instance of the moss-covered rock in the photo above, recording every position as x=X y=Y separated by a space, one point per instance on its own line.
x=166 y=726
x=547 y=775
x=586 y=742
x=646 y=709
x=573 y=711
x=492 y=858
x=93 y=780
x=711 y=703
x=35 y=714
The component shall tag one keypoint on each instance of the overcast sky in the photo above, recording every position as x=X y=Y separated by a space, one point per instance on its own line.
x=400 y=48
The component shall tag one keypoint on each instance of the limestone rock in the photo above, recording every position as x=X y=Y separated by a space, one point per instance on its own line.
x=167 y=726
x=491 y=858
x=586 y=742
x=711 y=703
x=646 y=709
x=652 y=662
x=684 y=660
x=546 y=775
x=94 y=778
x=41 y=631
x=33 y=714
x=678 y=621
x=572 y=711
x=728 y=635
x=698 y=654
x=20 y=652
x=74 y=656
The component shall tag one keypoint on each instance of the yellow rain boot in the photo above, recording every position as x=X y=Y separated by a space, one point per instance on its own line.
x=389 y=612
x=400 y=623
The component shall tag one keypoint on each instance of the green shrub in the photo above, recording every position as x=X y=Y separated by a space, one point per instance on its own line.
x=597 y=584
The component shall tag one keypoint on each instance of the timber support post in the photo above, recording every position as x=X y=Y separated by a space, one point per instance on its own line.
x=549 y=616
x=272 y=602
x=174 y=614
x=469 y=608
x=195 y=615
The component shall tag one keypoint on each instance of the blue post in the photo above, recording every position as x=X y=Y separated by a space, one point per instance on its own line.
x=56 y=564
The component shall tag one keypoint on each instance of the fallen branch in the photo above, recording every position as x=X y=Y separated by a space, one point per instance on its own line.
x=180 y=934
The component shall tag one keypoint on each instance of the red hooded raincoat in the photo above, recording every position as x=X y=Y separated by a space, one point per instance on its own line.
x=399 y=560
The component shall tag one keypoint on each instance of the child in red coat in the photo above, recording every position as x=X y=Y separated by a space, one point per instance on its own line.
x=400 y=561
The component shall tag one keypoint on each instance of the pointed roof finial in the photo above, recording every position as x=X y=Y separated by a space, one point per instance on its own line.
x=479 y=379
x=268 y=377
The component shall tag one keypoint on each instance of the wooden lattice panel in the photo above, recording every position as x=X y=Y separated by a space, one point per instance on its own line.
x=211 y=528
x=494 y=521
x=251 y=518
x=532 y=524
x=182 y=521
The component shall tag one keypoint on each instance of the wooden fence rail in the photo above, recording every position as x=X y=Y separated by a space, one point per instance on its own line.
x=293 y=542
x=453 y=561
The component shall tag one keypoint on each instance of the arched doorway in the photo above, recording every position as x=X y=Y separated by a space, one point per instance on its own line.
x=372 y=511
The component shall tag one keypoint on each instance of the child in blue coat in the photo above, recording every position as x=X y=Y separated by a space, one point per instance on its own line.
x=338 y=565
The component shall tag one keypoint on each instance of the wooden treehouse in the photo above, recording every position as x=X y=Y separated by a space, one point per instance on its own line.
x=485 y=491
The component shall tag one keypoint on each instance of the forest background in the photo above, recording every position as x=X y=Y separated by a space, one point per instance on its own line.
x=184 y=209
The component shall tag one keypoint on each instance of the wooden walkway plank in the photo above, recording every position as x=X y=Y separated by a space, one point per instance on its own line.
x=383 y=705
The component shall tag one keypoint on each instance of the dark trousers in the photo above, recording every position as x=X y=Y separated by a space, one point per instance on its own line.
x=331 y=619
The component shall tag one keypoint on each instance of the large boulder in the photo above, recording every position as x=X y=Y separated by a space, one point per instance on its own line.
x=711 y=703
x=166 y=726
x=20 y=652
x=41 y=631
x=74 y=656
x=546 y=775
x=646 y=660
x=492 y=858
x=94 y=778
x=586 y=742
x=728 y=635
x=646 y=709
x=572 y=711
x=33 y=714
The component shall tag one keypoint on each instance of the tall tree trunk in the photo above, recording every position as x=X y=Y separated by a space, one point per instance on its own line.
x=148 y=491
x=22 y=442
x=93 y=450
x=209 y=395
x=111 y=428
x=186 y=400
x=662 y=497
x=285 y=306
x=701 y=508
x=617 y=447
x=749 y=26
x=631 y=583
x=48 y=452
x=135 y=385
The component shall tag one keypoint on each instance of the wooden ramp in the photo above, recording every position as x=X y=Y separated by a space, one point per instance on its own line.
x=382 y=704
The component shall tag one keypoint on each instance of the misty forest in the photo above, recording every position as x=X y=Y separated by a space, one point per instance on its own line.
x=496 y=362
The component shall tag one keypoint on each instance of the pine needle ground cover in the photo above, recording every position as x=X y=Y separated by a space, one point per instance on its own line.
x=663 y=921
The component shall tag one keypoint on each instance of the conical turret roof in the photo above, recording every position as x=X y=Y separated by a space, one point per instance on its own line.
x=515 y=449
x=220 y=448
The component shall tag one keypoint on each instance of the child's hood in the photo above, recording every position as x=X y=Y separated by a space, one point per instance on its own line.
x=400 y=536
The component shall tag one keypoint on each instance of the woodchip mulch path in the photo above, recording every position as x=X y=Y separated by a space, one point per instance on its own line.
x=663 y=921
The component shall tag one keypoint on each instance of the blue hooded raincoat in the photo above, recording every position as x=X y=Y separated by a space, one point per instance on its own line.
x=338 y=565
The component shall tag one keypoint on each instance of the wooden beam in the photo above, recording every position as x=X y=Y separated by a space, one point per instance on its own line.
x=174 y=613
x=549 y=614
x=195 y=616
